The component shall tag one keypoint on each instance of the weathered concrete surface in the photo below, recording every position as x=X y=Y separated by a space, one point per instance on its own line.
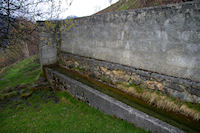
x=164 y=39
x=108 y=104
x=47 y=45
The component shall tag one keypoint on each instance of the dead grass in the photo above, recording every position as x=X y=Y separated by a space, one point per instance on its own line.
x=161 y=101
x=135 y=4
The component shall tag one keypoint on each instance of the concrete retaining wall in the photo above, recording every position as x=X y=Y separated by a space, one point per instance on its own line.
x=155 y=42
x=107 y=104
x=164 y=39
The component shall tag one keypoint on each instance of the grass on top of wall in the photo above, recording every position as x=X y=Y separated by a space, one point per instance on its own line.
x=136 y=4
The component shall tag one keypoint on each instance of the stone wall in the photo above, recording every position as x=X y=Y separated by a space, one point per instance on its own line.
x=116 y=75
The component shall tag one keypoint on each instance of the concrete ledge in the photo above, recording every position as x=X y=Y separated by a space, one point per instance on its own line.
x=108 y=104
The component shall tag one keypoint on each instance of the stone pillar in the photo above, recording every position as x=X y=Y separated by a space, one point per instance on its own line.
x=47 y=45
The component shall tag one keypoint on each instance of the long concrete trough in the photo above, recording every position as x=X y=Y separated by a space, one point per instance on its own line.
x=107 y=104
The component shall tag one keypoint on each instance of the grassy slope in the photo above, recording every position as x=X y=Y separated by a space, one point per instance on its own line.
x=41 y=113
x=134 y=4
x=25 y=71
x=69 y=115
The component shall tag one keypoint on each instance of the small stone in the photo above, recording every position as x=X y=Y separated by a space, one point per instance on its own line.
x=136 y=82
x=174 y=86
x=194 y=91
x=154 y=85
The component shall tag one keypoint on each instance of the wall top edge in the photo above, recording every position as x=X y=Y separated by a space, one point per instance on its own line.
x=140 y=10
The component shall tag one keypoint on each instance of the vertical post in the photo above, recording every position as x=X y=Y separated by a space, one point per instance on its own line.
x=47 y=45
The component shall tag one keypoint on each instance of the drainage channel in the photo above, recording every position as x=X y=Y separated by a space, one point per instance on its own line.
x=177 y=120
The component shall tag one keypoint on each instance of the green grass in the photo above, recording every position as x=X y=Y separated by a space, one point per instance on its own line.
x=105 y=79
x=68 y=115
x=41 y=112
x=137 y=87
x=130 y=4
x=25 y=71
x=78 y=69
